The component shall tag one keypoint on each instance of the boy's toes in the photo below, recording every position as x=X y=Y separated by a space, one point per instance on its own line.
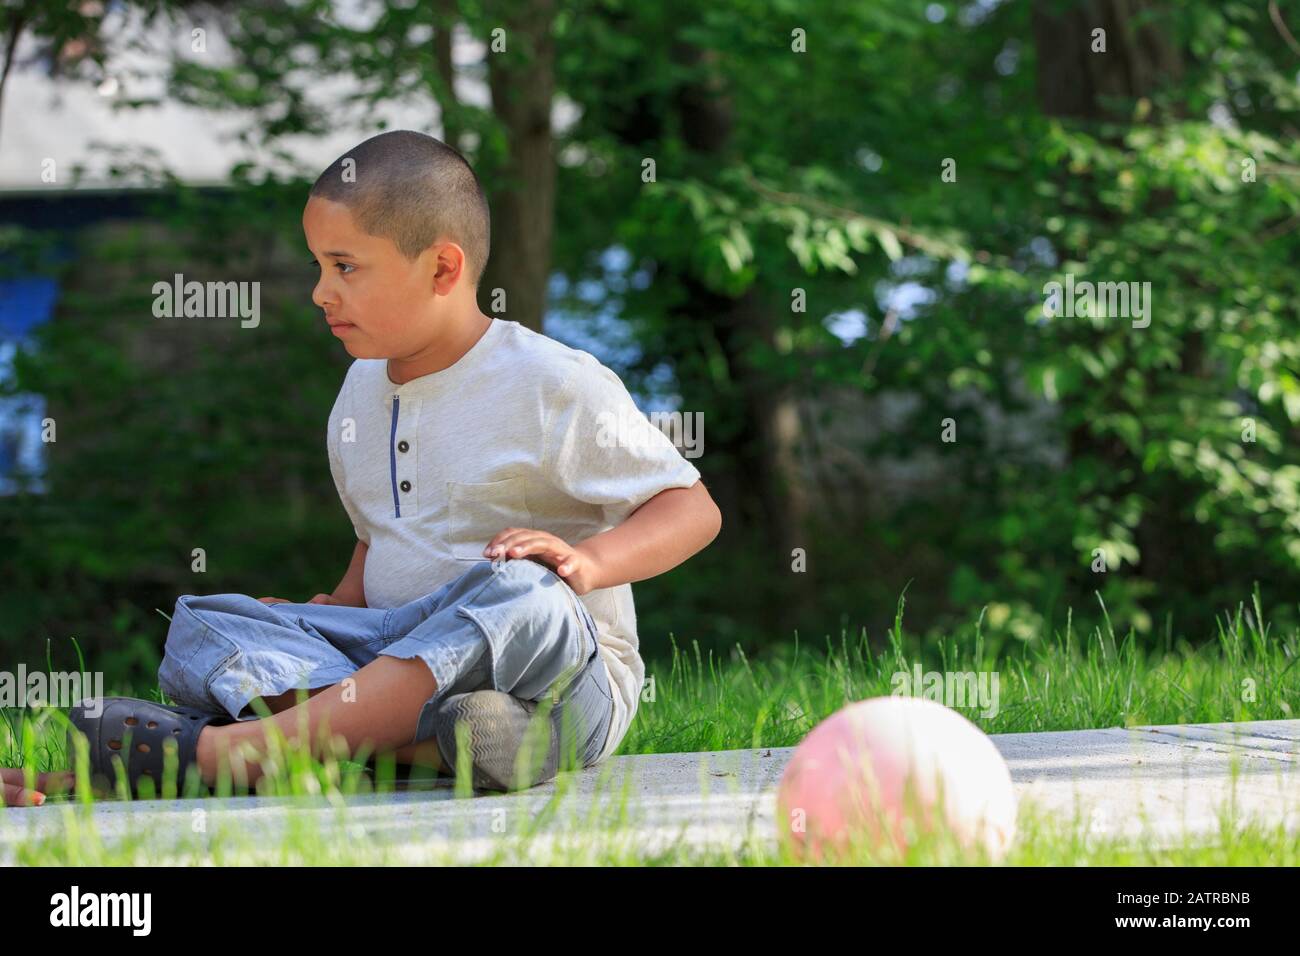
x=56 y=781
x=15 y=795
x=52 y=781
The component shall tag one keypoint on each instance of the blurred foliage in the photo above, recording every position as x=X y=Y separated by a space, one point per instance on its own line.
x=173 y=434
x=830 y=183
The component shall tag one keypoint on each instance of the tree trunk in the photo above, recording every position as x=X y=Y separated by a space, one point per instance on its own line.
x=444 y=28
x=1075 y=81
x=522 y=80
x=767 y=452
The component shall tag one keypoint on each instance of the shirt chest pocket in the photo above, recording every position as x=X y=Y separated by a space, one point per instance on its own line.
x=476 y=512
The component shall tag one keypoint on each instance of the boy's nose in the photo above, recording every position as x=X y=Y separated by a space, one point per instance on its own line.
x=320 y=295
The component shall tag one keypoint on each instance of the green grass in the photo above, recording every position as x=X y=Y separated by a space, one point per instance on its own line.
x=1066 y=682
x=1041 y=842
x=1063 y=682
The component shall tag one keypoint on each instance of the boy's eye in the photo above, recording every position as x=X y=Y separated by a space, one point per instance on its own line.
x=341 y=265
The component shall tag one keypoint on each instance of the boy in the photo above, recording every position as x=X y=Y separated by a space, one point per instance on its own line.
x=499 y=525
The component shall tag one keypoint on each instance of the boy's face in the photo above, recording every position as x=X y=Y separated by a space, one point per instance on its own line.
x=379 y=303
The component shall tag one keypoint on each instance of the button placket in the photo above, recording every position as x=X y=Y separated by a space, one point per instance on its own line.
x=405 y=455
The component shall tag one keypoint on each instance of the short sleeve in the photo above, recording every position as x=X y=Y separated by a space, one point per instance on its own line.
x=602 y=449
x=336 y=469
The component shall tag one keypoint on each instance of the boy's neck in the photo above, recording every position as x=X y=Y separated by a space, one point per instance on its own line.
x=440 y=354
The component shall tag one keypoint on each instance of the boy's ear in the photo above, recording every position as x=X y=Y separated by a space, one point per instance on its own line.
x=447 y=263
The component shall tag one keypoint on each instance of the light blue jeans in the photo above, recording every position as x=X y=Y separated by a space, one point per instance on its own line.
x=514 y=626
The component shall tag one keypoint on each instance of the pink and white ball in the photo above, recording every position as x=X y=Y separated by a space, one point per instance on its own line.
x=849 y=776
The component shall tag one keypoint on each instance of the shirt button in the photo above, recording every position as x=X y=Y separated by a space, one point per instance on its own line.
x=403 y=446
x=406 y=486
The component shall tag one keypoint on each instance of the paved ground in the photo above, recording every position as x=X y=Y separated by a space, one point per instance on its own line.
x=1163 y=781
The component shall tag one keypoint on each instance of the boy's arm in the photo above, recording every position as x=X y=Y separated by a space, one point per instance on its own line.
x=676 y=516
x=655 y=538
x=351 y=590
x=658 y=536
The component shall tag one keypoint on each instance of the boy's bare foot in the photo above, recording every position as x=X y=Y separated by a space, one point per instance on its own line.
x=14 y=792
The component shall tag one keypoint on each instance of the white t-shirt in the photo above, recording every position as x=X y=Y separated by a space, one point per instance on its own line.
x=523 y=431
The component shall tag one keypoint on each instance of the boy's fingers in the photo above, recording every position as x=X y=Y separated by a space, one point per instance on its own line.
x=552 y=560
x=516 y=536
x=532 y=545
x=558 y=558
x=510 y=537
x=501 y=536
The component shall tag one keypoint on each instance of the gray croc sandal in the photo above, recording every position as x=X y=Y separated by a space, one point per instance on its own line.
x=498 y=726
x=509 y=747
x=148 y=726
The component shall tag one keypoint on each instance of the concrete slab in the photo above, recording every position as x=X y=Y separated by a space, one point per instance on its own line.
x=1161 y=782
x=1158 y=783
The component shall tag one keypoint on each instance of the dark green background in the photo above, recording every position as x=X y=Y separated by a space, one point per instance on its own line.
x=817 y=171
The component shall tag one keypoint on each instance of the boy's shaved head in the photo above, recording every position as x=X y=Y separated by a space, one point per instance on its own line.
x=415 y=190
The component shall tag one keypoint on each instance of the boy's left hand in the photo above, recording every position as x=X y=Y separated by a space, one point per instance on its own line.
x=571 y=563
